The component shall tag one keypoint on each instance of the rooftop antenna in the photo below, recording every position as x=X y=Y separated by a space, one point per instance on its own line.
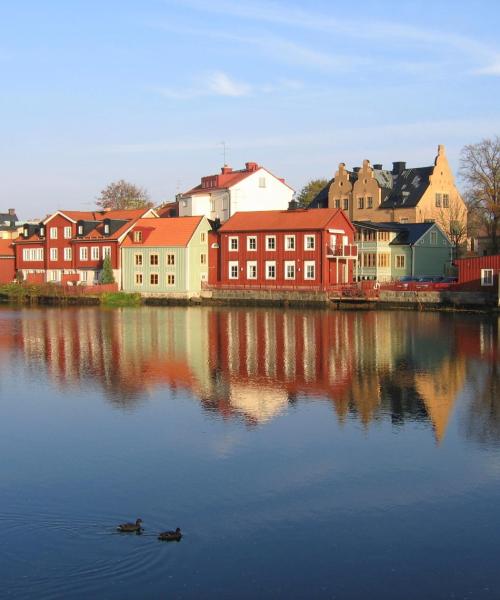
x=224 y=151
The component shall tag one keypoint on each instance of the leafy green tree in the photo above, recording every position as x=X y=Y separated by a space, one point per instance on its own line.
x=310 y=191
x=121 y=195
x=107 y=271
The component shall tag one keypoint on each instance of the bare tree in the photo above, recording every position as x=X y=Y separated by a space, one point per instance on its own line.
x=121 y=195
x=453 y=221
x=480 y=169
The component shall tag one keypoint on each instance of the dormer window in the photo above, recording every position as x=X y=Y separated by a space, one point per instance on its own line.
x=80 y=229
x=26 y=232
x=42 y=231
x=137 y=237
x=106 y=228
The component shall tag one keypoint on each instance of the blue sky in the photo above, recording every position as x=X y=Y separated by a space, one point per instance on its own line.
x=94 y=91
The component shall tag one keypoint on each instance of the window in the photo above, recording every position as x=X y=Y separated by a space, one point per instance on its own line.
x=233 y=269
x=212 y=204
x=80 y=232
x=53 y=254
x=403 y=220
x=251 y=243
x=52 y=275
x=252 y=269
x=369 y=202
x=203 y=259
x=94 y=253
x=270 y=242
x=106 y=251
x=233 y=244
x=361 y=202
x=138 y=260
x=309 y=242
x=400 y=261
x=84 y=253
x=33 y=254
x=203 y=236
x=383 y=260
x=154 y=260
x=137 y=237
x=53 y=233
x=138 y=279
x=289 y=269
x=446 y=201
x=486 y=276
x=153 y=279
x=346 y=203
x=434 y=238
x=262 y=182
x=67 y=233
x=369 y=259
x=67 y=253
x=270 y=269
x=337 y=202
x=438 y=200
x=106 y=228
x=84 y=275
x=289 y=242
x=170 y=279
x=309 y=269
x=170 y=259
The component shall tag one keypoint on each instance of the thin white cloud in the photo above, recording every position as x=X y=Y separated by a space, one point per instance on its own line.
x=285 y=15
x=218 y=83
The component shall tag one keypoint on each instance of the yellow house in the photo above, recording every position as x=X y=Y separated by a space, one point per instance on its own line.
x=404 y=195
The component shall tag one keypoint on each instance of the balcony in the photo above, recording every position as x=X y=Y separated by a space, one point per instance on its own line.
x=347 y=251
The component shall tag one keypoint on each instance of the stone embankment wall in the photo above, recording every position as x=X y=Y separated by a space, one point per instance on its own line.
x=265 y=297
x=438 y=299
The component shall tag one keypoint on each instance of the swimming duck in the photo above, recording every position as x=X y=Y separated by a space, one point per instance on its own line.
x=131 y=527
x=170 y=536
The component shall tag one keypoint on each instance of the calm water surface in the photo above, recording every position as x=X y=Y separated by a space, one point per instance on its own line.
x=304 y=454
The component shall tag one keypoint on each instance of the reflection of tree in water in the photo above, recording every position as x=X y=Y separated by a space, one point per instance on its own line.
x=482 y=421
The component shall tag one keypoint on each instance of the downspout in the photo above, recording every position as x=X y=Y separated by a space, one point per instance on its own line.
x=412 y=261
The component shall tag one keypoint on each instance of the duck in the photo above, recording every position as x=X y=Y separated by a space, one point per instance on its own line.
x=131 y=527
x=170 y=536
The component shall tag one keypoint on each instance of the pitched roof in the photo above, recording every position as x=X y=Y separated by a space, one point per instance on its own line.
x=6 y=248
x=173 y=231
x=407 y=233
x=280 y=220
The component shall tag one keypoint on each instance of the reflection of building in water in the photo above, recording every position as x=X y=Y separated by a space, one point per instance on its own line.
x=255 y=362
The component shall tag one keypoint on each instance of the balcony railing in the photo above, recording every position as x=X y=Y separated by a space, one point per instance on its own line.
x=347 y=251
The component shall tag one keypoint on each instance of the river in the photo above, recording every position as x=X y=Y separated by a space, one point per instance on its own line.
x=303 y=453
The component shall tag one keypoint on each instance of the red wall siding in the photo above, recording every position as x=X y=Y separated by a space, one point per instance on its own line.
x=95 y=264
x=60 y=243
x=22 y=264
x=7 y=269
x=469 y=272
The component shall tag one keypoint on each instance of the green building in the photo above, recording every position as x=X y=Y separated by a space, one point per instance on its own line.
x=166 y=256
x=388 y=251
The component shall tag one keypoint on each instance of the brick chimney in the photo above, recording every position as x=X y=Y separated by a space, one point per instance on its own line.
x=251 y=166
x=398 y=167
x=12 y=211
x=225 y=170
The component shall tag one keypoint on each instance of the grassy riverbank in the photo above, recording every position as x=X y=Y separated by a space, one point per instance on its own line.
x=49 y=293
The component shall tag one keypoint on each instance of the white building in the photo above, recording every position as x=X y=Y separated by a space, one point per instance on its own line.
x=249 y=189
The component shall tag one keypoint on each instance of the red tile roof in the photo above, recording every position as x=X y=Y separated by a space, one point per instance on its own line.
x=77 y=215
x=174 y=231
x=281 y=220
x=6 y=248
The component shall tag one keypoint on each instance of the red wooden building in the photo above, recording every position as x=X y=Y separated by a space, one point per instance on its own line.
x=70 y=246
x=7 y=261
x=295 y=249
x=478 y=273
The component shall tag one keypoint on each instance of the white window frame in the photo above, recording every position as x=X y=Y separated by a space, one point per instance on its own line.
x=307 y=265
x=106 y=251
x=138 y=255
x=233 y=264
x=230 y=243
x=84 y=253
x=251 y=264
x=288 y=239
x=306 y=239
x=67 y=233
x=53 y=233
x=138 y=282
x=53 y=255
x=151 y=275
x=268 y=239
x=157 y=262
x=94 y=253
x=270 y=263
x=67 y=254
x=290 y=263
x=170 y=255
x=172 y=284
x=403 y=260
x=250 y=239
x=84 y=276
x=487 y=277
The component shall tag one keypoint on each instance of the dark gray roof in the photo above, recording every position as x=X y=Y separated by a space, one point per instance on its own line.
x=407 y=187
x=8 y=219
x=407 y=233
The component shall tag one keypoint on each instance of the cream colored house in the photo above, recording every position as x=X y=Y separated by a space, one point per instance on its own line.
x=404 y=195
